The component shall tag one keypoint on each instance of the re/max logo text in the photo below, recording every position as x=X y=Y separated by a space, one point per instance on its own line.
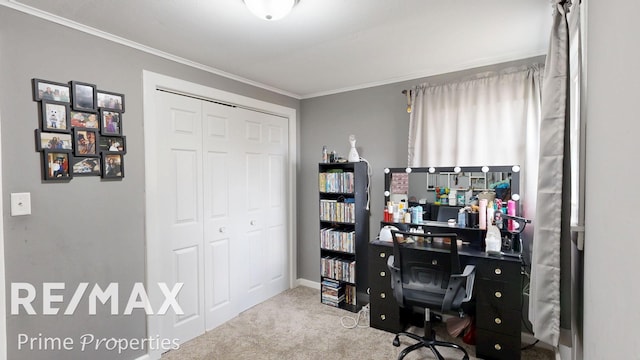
x=24 y=294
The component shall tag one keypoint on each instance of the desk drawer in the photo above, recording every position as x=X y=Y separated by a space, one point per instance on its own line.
x=384 y=312
x=386 y=317
x=498 y=270
x=379 y=276
x=499 y=320
x=498 y=294
x=378 y=254
x=494 y=346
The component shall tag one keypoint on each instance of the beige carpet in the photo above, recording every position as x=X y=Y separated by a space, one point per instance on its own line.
x=295 y=325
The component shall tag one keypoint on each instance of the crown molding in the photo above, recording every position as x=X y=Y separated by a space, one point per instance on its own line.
x=434 y=71
x=14 y=4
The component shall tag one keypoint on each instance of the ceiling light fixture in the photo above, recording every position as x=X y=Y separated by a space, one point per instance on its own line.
x=270 y=10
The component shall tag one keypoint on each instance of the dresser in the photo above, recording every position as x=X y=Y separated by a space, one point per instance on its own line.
x=497 y=294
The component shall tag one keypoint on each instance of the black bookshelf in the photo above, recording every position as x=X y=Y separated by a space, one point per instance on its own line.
x=344 y=234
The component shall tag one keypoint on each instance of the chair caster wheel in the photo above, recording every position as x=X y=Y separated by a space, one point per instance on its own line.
x=396 y=341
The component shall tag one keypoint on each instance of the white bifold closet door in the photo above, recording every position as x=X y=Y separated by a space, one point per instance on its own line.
x=222 y=176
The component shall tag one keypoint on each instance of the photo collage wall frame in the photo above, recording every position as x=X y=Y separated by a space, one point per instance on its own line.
x=80 y=132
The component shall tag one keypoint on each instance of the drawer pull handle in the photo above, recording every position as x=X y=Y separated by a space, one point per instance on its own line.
x=498 y=294
x=383 y=274
x=497 y=347
x=498 y=321
x=383 y=317
x=498 y=271
x=383 y=255
x=434 y=262
x=382 y=295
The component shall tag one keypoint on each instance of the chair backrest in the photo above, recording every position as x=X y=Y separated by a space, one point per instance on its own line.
x=429 y=278
x=446 y=212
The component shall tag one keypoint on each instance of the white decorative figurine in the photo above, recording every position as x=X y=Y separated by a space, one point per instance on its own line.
x=353 y=153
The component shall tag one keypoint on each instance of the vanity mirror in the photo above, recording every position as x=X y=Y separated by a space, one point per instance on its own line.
x=451 y=186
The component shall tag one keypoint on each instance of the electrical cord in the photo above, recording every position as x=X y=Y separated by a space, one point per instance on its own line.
x=525 y=292
x=527 y=347
x=369 y=173
x=362 y=314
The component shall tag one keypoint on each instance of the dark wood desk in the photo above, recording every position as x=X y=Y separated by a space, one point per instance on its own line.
x=497 y=292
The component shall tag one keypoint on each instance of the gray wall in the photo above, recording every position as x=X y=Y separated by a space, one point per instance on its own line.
x=611 y=293
x=86 y=230
x=378 y=118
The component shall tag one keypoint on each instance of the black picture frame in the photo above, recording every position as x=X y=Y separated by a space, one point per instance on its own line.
x=113 y=144
x=55 y=165
x=112 y=166
x=84 y=120
x=82 y=144
x=83 y=96
x=51 y=91
x=86 y=166
x=53 y=141
x=54 y=116
x=110 y=122
x=110 y=100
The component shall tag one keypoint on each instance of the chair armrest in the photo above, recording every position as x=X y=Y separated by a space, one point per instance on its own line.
x=469 y=274
x=453 y=297
x=396 y=281
x=390 y=265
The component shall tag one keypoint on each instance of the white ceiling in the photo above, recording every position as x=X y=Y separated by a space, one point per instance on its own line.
x=323 y=46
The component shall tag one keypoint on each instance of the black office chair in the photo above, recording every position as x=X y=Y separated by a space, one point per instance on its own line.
x=436 y=284
x=447 y=212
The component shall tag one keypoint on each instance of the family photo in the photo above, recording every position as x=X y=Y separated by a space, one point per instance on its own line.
x=85 y=142
x=56 y=165
x=45 y=140
x=54 y=116
x=46 y=90
x=112 y=165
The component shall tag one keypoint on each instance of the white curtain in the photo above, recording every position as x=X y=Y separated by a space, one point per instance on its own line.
x=486 y=120
x=489 y=119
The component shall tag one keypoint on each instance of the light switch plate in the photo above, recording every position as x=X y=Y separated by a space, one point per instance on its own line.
x=20 y=204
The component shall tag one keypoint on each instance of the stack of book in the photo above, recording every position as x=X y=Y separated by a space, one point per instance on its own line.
x=338 y=268
x=332 y=292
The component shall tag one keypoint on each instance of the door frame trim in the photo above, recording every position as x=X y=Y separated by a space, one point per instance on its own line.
x=151 y=82
x=3 y=305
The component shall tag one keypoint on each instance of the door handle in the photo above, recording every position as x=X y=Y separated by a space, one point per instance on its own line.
x=222 y=229
x=252 y=222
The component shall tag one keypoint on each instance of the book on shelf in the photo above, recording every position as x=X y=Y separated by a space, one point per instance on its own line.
x=337 y=268
x=333 y=292
x=336 y=182
x=337 y=239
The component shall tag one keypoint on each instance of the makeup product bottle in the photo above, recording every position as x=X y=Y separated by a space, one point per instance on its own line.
x=462 y=218
x=511 y=210
x=453 y=197
x=493 y=243
x=490 y=212
x=482 y=214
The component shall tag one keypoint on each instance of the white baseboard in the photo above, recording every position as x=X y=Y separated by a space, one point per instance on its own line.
x=308 y=283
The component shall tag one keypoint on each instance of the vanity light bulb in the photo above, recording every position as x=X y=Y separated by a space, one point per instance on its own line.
x=386 y=170
x=485 y=169
x=515 y=197
x=456 y=169
x=387 y=193
x=515 y=168
x=432 y=170
x=407 y=170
